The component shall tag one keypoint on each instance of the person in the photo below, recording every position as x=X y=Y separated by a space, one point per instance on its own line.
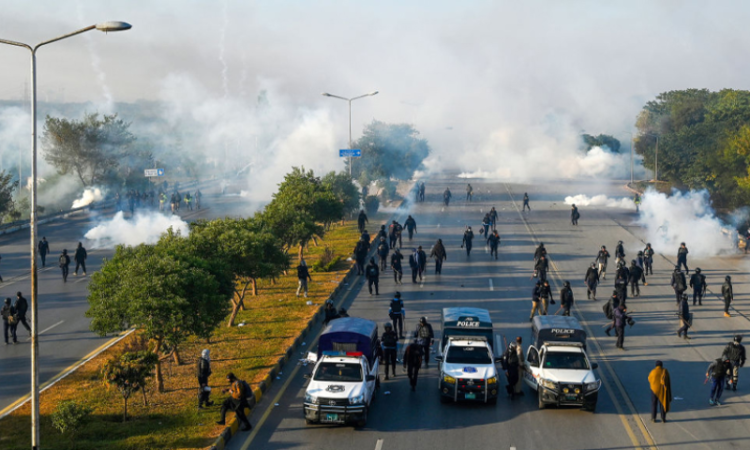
x=421 y=192
x=493 y=218
x=80 y=259
x=621 y=318
x=619 y=254
x=621 y=284
x=540 y=269
x=360 y=254
x=494 y=242
x=637 y=201
x=518 y=388
x=373 y=275
x=43 y=251
x=203 y=372
x=362 y=220
x=539 y=252
x=601 y=259
x=574 y=214
x=683 y=312
x=389 y=341
x=422 y=260
x=8 y=315
x=734 y=352
x=21 y=306
x=411 y=226
x=648 y=259
x=425 y=337
x=394 y=231
x=469 y=192
x=398 y=271
x=526 y=202
x=728 y=294
x=566 y=299
x=592 y=281
x=536 y=293
x=303 y=274
x=197 y=196
x=640 y=262
x=682 y=253
x=717 y=372
x=64 y=262
x=679 y=284
x=383 y=251
x=382 y=233
x=236 y=402
x=545 y=293
x=438 y=252
x=636 y=275
x=511 y=364
x=609 y=311
x=397 y=313
x=366 y=237
x=661 y=391
x=399 y=233
x=330 y=312
x=447 y=196
x=486 y=222
x=467 y=240
x=698 y=283
x=163 y=200
x=413 y=362
x=188 y=201
x=414 y=265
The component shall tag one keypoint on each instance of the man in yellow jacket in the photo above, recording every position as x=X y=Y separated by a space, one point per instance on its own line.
x=661 y=391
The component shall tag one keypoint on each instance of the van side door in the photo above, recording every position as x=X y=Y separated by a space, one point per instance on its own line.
x=531 y=366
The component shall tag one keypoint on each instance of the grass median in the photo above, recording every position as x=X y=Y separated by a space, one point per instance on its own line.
x=269 y=325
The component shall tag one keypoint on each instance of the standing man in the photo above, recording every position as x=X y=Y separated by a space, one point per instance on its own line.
x=422 y=260
x=592 y=281
x=389 y=339
x=682 y=253
x=398 y=271
x=728 y=293
x=661 y=391
x=469 y=192
x=197 y=196
x=717 y=372
x=637 y=201
x=411 y=226
x=425 y=337
x=601 y=259
x=373 y=275
x=414 y=265
x=22 y=307
x=541 y=268
x=204 y=371
x=619 y=254
x=493 y=218
x=545 y=293
x=362 y=220
x=574 y=215
x=43 y=251
x=539 y=252
x=698 y=283
x=440 y=255
x=467 y=240
x=566 y=299
x=64 y=263
x=9 y=321
x=636 y=275
x=413 y=362
x=609 y=311
x=447 y=196
x=383 y=250
x=536 y=293
x=397 y=312
x=360 y=254
x=734 y=352
x=302 y=276
x=679 y=284
x=80 y=259
x=511 y=364
x=648 y=259
x=393 y=234
x=525 y=202
x=494 y=242
x=486 y=223
x=683 y=312
x=236 y=402
x=421 y=192
x=621 y=318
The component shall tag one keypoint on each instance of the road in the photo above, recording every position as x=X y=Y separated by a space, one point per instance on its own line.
x=400 y=419
x=65 y=337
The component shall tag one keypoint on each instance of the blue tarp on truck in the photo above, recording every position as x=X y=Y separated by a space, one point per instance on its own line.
x=350 y=334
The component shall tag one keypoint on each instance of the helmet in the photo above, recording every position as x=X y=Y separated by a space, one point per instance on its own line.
x=697 y=270
x=382 y=238
x=619 y=242
x=329 y=302
x=737 y=338
x=567 y=284
x=640 y=253
x=648 y=244
x=632 y=262
x=682 y=243
x=423 y=320
x=388 y=326
x=397 y=294
x=727 y=278
x=604 y=247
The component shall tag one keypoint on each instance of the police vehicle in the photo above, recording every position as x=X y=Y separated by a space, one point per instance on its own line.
x=557 y=366
x=466 y=356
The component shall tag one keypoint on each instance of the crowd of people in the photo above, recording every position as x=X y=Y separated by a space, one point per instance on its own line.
x=136 y=199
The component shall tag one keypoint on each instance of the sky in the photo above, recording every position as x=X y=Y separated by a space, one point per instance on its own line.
x=483 y=79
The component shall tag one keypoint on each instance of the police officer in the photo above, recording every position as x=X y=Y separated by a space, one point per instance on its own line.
x=566 y=299
x=682 y=253
x=494 y=241
x=426 y=337
x=467 y=240
x=679 y=284
x=360 y=254
x=362 y=220
x=536 y=293
x=592 y=281
x=545 y=293
x=621 y=284
x=609 y=311
x=398 y=271
x=728 y=293
x=683 y=312
x=203 y=370
x=698 y=283
x=621 y=319
x=541 y=268
x=373 y=275
x=619 y=254
x=648 y=259
x=601 y=259
x=397 y=313
x=636 y=275
x=510 y=364
x=413 y=362
x=734 y=352
x=389 y=339
x=640 y=262
x=366 y=237
x=383 y=251
x=411 y=226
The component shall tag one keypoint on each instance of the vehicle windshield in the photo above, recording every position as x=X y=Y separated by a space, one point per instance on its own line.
x=338 y=372
x=468 y=355
x=565 y=360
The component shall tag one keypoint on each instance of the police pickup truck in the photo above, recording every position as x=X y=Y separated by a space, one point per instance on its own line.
x=557 y=366
x=466 y=357
x=345 y=378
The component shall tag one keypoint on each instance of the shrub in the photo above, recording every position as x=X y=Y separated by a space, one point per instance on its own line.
x=70 y=416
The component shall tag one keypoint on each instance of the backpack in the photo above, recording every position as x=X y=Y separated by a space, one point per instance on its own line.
x=395 y=306
x=372 y=272
x=720 y=369
x=732 y=352
x=680 y=281
x=390 y=339
x=424 y=332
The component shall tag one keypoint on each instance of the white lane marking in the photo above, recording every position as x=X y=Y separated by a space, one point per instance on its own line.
x=47 y=329
x=492 y=287
x=379 y=445
x=512 y=448
x=83 y=278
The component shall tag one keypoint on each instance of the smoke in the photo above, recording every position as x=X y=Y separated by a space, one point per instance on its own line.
x=141 y=229
x=684 y=217
x=96 y=65
x=600 y=200
x=89 y=196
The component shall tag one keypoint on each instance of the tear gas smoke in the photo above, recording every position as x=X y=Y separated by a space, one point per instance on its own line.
x=142 y=229
x=89 y=196
x=600 y=200
x=684 y=217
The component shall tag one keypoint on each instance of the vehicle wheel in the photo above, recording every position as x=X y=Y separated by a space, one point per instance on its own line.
x=542 y=405
x=363 y=421
x=444 y=399
x=590 y=407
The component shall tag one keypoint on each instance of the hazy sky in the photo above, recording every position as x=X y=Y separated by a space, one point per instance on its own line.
x=489 y=70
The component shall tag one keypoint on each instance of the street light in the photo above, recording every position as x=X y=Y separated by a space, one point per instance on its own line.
x=350 y=100
x=105 y=27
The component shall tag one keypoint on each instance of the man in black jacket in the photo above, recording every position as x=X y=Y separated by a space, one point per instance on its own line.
x=7 y=313
x=734 y=352
x=601 y=259
x=574 y=215
x=414 y=265
x=648 y=259
x=494 y=242
x=413 y=362
x=64 y=263
x=566 y=299
x=619 y=254
x=440 y=255
x=43 y=250
x=683 y=312
x=727 y=292
x=467 y=241
x=302 y=276
x=362 y=220
x=425 y=337
x=545 y=294
x=411 y=226
x=592 y=281
x=636 y=276
x=360 y=254
x=373 y=275
x=536 y=292
x=511 y=364
x=203 y=369
x=22 y=307
x=389 y=339
x=678 y=282
x=398 y=271
x=383 y=250
x=422 y=260
x=80 y=259
x=541 y=268
x=698 y=283
x=682 y=253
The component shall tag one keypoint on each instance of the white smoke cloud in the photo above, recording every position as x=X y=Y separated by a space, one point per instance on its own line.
x=89 y=196
x=600 y=200
x=141 y=229
x=684 y=217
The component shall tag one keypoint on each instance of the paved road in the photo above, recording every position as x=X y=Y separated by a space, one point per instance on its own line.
x=65 y=336
x=406 y=420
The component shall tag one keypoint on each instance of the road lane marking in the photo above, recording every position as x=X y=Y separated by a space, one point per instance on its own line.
x=379 y=445
x=492 y=287
x=47 y=329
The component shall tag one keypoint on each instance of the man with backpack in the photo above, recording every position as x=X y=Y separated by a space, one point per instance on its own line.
x=389 y=339
x=679 y=284
x=64 y=263
x=698 y=283
x=397 y=313
x=734 y=352
x=425 y=338
x=8 y=314
x=717 y=372
x=383 y=251
x=236 y=402
x=373 y=275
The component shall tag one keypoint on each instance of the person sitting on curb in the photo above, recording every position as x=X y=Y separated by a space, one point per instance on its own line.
x=236 y=402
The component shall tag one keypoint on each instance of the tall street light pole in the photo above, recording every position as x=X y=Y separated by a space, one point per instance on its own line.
x=105 y=27
x=350 y=100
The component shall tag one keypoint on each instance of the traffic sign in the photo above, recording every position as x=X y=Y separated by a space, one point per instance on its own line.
x=154 y=172
x=350 y=153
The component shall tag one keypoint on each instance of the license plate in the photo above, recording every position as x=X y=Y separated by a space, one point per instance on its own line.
x=570 y=397
x=471 y=396
x=331 y=418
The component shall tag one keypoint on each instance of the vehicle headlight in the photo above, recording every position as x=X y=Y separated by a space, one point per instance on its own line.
x=492 y=380
x=593 y=386
x=549 y=384
x=449 y=379
x=311 y=399
x=357 y=400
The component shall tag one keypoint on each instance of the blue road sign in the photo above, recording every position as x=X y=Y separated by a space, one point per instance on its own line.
x=160 y=172
x=350 y=153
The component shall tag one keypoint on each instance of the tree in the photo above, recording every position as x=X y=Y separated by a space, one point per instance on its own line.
x=90 y=148
x=162 y=296
x=7 y=186
x=344 y=189
x=250 y=252
x=389 y=151
x=603 y=140
x=129 y=374
x=70 y=416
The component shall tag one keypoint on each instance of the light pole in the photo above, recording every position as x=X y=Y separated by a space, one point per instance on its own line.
x=350 y=100
x=631 y=155
x=105 y=27
x=656 y=156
